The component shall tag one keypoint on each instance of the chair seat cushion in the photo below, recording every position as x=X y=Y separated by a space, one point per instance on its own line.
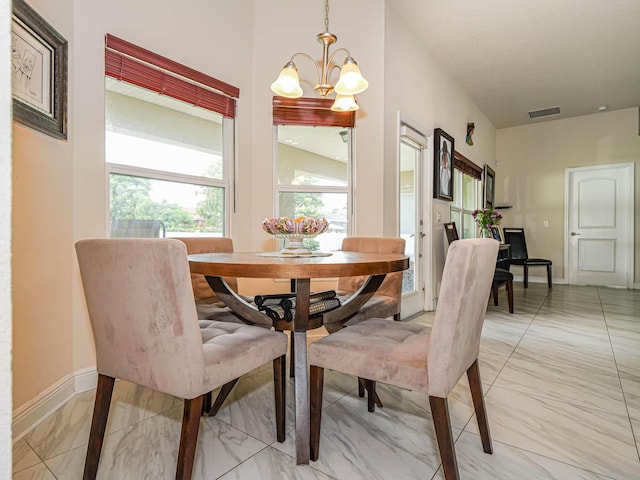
x=400 y=359
x=240 y=348
x=501 y=275
x=537 y=261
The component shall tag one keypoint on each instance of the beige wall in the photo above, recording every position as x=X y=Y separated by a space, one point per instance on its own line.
x=42 y=246
x=5 y=244
x=422 y=94
x=530 y=173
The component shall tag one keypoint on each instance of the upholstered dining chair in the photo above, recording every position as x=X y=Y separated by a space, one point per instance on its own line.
x=416 y=357
x=145 y=328
x=501 y=276
x=386 y=301
x=210 y=307
x=520 y=256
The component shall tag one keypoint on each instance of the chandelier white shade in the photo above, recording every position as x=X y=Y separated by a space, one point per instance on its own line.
x=350 y=81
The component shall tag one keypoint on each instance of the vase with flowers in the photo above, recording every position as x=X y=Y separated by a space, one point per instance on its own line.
x=486 y=219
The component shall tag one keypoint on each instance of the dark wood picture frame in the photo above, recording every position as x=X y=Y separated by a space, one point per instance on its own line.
x=443 y=158
x=489 y=191
x=39 y=72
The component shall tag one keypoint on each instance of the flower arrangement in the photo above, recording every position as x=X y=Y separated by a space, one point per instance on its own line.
x=487 y=219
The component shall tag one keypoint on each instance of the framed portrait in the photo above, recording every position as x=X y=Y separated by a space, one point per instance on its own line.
x=39 y=72
x=497 y=234
x=443 y=148
x=489 y=186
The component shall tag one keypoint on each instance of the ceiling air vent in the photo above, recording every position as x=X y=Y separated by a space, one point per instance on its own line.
x=545 y=112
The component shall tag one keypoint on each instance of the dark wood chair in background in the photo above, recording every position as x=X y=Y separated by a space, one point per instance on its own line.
x=519 y=256
x=501 y=276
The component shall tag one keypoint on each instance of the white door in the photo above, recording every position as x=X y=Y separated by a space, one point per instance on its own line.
x=599 y=220
x=412 y=148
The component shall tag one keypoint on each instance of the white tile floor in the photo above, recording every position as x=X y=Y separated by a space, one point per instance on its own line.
x=562 y=384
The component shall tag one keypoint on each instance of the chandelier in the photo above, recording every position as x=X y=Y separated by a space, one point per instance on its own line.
x=350 y=81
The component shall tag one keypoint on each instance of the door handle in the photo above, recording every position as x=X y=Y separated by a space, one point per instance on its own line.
x=573 y=234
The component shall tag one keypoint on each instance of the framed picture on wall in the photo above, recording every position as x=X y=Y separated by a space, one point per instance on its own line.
x=39 y=72
x=443 y=147
x=489 y=186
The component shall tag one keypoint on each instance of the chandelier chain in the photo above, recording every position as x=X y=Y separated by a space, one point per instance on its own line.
x=326 y=15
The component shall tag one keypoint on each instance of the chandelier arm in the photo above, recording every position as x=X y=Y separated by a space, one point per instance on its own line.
x=308 y=57
x=337 y=51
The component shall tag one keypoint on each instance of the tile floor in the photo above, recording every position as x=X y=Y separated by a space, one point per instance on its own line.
x=562 y=384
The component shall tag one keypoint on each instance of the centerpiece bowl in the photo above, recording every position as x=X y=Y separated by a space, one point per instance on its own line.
x=293 y=231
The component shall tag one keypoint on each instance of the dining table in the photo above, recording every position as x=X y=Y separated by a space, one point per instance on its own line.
x=300 y=270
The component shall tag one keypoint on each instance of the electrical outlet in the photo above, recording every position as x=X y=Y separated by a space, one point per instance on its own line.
x=438 y=217
x=546 y=224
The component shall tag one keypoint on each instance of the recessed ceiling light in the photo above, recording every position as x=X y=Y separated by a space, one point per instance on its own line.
x=602 y=108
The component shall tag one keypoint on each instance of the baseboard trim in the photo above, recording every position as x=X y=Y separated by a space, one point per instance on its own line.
x=32 y=413
x=554 y=281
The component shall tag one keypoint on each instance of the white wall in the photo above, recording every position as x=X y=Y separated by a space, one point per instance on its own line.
x=530 y=174
x=5 y=243
x=424 y=95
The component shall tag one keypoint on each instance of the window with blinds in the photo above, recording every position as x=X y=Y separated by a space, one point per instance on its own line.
x=168 y=144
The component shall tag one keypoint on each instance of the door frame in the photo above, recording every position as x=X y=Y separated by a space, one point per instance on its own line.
x=426 y=242
x=629 y=217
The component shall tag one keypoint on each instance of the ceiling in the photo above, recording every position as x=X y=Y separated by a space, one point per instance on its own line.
x=515 y=56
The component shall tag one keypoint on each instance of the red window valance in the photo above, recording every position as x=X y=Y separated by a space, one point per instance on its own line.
x=310 y=111
x=130 y=63
x=466 y=166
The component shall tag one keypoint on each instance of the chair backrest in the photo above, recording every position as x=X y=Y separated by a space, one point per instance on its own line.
x=201 y=288
x=451 y=231
x=515 y=237
x=392 y=284
x=462 y=305
x=137 y=228
x=142 y=313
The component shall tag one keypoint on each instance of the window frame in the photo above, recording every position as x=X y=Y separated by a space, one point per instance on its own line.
x=137 y=66
x=313 y=112
x=463 y=166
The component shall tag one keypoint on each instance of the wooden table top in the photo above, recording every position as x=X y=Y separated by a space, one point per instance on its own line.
x=339 y=264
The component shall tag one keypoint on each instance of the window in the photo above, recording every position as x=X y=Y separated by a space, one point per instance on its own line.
x=313 y=166
x=168 y=155
x=466 y=195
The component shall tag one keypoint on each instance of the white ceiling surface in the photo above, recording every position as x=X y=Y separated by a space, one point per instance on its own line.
x=515 y=56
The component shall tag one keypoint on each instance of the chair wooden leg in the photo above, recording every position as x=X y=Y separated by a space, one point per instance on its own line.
x=510 y=295
x=370 y=385
x=316 y=384
x=473 y=374
x=225 y=390
x=292 y=359
x=361 y=387
x=206 y=403
x=98 y=425
x=549 y=275
x=526 y=276
x=189 y=437
x=494 y=289
x=442 y=424
x=396 y=317
x=280 y=387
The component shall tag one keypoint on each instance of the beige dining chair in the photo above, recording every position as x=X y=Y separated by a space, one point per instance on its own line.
x=416 y=357
x=210 y=307
x=146 y=331
x=386 y=301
